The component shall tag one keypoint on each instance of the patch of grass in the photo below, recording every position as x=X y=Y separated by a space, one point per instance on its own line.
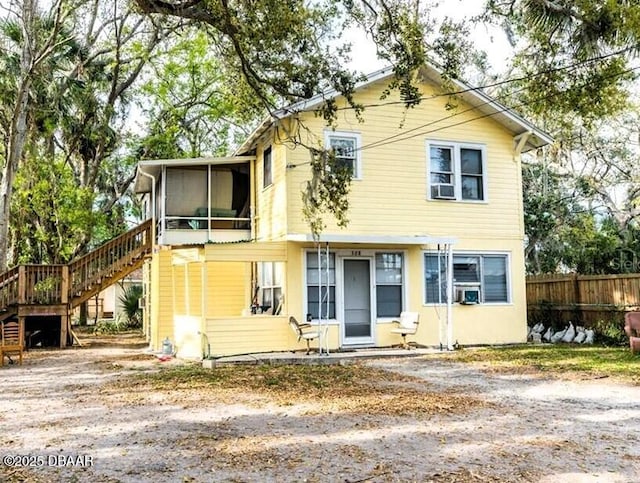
x=592 y=361
x=323 y=388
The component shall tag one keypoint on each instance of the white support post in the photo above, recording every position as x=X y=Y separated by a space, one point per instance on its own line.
x=209 y=236
x=325 y=330
x=440 y=328
x=449 y=248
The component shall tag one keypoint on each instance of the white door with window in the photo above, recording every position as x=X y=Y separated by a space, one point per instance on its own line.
x=357 y=307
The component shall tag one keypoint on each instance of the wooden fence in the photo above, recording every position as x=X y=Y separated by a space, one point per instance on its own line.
x=583 y=299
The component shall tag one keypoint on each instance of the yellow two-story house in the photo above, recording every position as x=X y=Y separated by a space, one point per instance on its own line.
x=435 y=227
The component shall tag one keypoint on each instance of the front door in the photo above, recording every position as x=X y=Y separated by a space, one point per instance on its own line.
x=357 y=327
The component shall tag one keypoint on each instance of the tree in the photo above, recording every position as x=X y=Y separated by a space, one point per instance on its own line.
x=194 y=108
x=574 y=75
x=289 y=51
x=23 y=60
x=74 y=113
x=572 y=55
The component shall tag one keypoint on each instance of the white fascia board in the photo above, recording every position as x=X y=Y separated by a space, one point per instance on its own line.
x=371 y=239
x=196 y=161
x=248 y=143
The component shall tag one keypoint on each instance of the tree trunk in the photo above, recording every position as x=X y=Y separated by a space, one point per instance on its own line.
x=84 y=312
x=18 y=128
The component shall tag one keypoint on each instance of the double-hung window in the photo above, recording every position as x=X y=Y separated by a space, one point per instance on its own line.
x=456 y=171
x=486 y=272
x=346 y=149
x=271 y=277
x=321 y=285
x=388 y=284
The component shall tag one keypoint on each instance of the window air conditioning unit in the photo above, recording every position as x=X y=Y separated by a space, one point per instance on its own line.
x=468 y=296
x=443 y=192
x=141 y=303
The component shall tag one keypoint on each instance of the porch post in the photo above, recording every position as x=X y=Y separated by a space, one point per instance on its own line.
x=252 y=197
x=449 y=296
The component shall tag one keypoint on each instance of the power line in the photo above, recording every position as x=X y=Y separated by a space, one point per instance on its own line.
x=403 y=135
x=495 y=84
x=398 y=138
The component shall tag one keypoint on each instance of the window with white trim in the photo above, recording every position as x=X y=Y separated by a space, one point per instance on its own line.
x=321 y=285
x=456 y=171
x=346 y=148
x=271 y=277
x=487 y=273
x=388 y=284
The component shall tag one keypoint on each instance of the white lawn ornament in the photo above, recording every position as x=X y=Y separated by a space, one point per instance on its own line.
x=547 y=335
x=589 y=336
x=557 y=337
x=580 y=335
x=569 y=334
x=539 y=327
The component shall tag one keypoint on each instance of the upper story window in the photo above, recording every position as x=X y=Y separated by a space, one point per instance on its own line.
x=456 y=171
x=346 y=147
x=267 y=179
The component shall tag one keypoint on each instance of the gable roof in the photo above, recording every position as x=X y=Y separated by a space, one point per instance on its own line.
x=486 y=106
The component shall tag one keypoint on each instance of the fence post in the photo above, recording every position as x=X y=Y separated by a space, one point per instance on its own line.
x=577 y=296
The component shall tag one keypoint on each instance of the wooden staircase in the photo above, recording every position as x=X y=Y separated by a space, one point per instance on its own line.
x=44 y=290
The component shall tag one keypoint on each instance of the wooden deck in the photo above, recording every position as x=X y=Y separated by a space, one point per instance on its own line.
x=55 y=290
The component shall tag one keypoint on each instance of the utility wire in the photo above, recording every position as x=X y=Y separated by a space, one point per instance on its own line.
x=402 y=137
x=495 y=84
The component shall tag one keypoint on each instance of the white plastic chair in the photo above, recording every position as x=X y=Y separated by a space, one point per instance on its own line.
x=407 y=325
x=302 y=332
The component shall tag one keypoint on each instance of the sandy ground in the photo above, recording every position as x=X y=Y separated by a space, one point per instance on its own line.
x=70 y=416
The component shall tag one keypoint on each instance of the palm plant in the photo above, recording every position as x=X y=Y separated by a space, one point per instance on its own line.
x=130 y=302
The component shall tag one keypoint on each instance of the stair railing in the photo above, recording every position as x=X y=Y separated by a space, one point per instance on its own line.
x=87 y=272
x=9 y=288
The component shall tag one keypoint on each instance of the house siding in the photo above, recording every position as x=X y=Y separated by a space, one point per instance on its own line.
x=271 y=201
x=391 y=197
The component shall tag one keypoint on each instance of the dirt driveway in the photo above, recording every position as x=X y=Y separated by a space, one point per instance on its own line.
x=88 y=415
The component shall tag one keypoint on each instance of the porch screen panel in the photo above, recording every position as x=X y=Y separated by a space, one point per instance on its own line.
x=186 y=190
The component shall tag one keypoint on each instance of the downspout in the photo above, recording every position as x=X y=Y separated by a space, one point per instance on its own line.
x=163 y=206
x=209 y=232
x=253 y=194
x=449 y=248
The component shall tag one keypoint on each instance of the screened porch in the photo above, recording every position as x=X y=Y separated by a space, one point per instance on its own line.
x=196 y=201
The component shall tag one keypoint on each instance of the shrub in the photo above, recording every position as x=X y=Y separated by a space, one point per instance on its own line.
x=109 y=326
x=610 y=333
x=130 y=301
